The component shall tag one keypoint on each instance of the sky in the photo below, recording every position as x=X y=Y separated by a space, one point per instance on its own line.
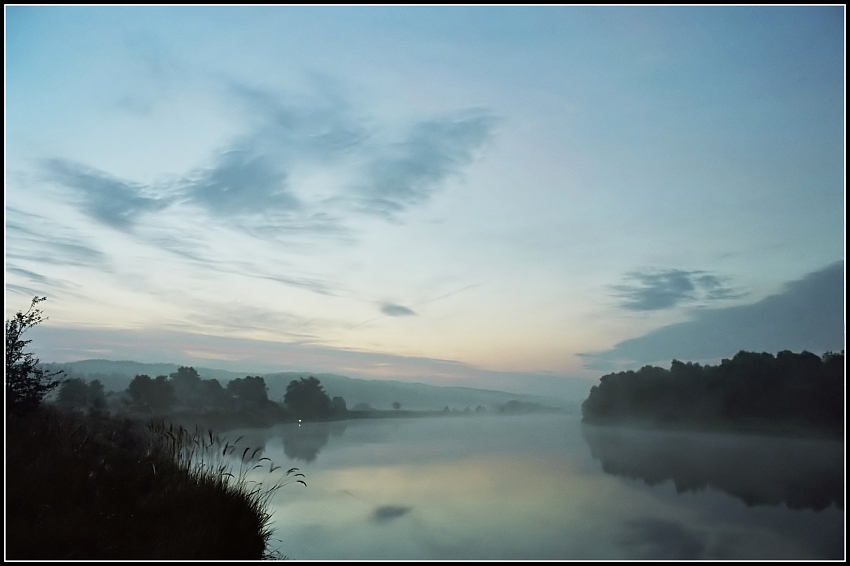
x=501 y=197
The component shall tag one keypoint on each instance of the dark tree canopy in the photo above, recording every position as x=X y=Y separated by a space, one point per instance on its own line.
x=26 y=383
x=148 y=394
x=338 y=405
x=249 y=392
x=185 y=382
x=306 y=398
x=77 y=394
x=212 y=395
x=794 y=389
x=97 y=397
x=74 y=393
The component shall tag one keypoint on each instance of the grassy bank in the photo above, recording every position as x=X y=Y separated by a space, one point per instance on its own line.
x=95 y=487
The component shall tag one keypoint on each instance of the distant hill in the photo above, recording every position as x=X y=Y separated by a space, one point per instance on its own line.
x=379 y=393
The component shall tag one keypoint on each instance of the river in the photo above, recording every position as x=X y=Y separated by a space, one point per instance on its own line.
x=547 y=487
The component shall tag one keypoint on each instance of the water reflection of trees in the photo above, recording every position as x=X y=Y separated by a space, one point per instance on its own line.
x=305 y=441
x=759 y=470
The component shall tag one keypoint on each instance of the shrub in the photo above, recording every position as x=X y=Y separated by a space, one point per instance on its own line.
x=26 y=383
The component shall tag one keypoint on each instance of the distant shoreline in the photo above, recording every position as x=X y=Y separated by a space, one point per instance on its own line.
x=754 y=427
x=789 y=394
x=222 y=422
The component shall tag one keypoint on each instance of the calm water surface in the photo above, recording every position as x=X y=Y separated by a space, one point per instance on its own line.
x=546 y=487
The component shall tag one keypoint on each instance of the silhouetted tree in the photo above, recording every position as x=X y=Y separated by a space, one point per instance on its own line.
x=97 y=396
x=306 y=398
x=186 y=382
x=77 y=394
x=212 y=395
x=151 y=394
x=26 y=383
x=73 y=394
x=800 y=389
x=338 y=405
x=249 y=392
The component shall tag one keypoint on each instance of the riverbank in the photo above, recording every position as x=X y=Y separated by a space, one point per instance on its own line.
x=98 y=487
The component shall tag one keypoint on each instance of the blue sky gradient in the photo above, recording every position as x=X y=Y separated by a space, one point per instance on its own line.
x=541 y=191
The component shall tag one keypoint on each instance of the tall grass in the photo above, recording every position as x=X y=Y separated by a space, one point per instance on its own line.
x=101 y=488
x=208 y=458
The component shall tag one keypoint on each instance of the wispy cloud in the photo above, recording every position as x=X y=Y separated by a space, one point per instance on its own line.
x=808 y=314
x=655 y=289
x=408 y=172
x=38 y=284
x=24 y=290
x=109 y=200
x=390 y=309
x=243 y=181
x=320 y=127
x=387 y=513
x=239 y=317
x=200 y=253
x=255 y=182
x=34 y=238
x=259 y=190
x=28 y=274
x=389 y=175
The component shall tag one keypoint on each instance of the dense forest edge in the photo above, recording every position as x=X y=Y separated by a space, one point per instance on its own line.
x=796 y=394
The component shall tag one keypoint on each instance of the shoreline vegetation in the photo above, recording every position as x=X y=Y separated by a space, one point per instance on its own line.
x=753 y=393
x=100 y=487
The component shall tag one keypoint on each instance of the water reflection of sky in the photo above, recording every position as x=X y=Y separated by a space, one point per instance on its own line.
x=512 y=488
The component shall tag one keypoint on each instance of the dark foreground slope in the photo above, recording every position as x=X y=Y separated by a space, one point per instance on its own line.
x=101 y=488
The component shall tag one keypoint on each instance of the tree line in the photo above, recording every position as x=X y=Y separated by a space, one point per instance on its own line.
x=185 y=389
x=28 y=384
x=800 y=389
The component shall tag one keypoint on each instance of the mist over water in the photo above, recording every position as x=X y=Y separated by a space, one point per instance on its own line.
x=800 y=473
x=548 y=487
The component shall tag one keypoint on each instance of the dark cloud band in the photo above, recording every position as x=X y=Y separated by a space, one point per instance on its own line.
x=648 y=290
x=807 y=315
